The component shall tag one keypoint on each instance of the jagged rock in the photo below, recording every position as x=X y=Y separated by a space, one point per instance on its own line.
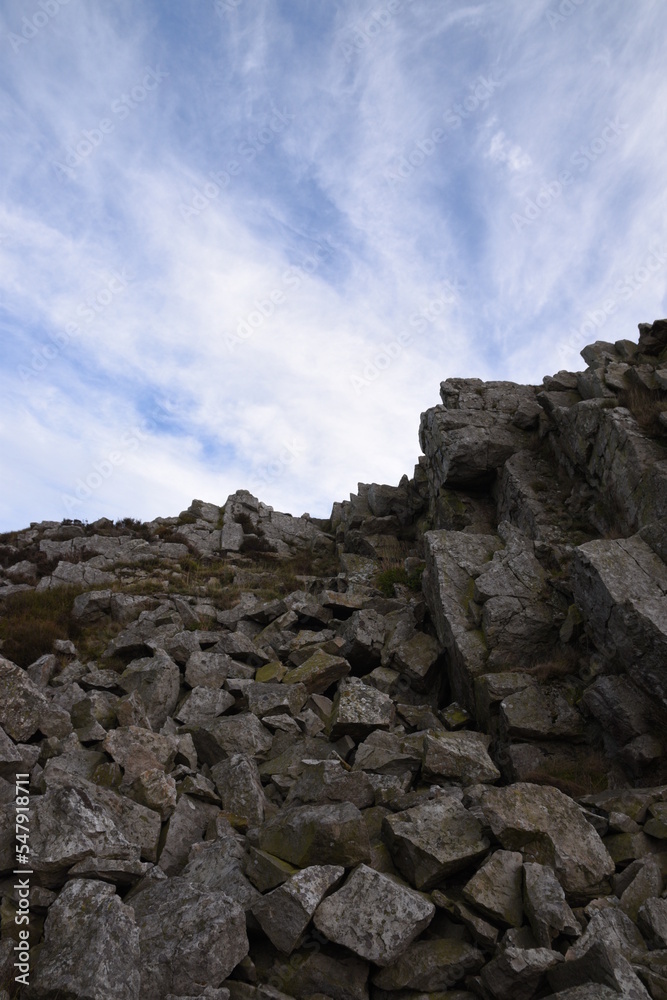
x=646 y=884
x=460 y=756
x=156 y=790
x=591 y=991
x=545 y=905
x=373 y=916
x=652 y=921
x=364 y=635
x=328 y=781
x=203 y=704
x=599 y=964
x=321 y=970
x=285 y=912
x=330 y=834
x=270 y=699
x=207 y=669
x=137 y=750
x=518 y=974
x=453 y=560
x=266 y=871
x=385 y=753
x=186 y=826
x=535 y=713
x=620 y=585
x=186 y=935
x=433 y=840
x=89 y=911
x=239 y=784
x=550 y=829
x=157 y=680
x=224 y=736
x=66 y=828
x=496 y=889
x=430 y=966
x=23 y=707
x=417 y=658
x=318 y=672
x=359 y=709
x=215 y=865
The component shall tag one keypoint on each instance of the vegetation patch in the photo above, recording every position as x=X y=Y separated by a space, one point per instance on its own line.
x=32 y=620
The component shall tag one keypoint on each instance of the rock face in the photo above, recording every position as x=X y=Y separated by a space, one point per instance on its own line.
x=415 y=749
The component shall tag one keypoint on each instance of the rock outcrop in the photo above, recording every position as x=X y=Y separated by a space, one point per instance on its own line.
x=417 y=748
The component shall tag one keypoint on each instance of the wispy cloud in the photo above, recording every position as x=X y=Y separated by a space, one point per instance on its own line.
x=201 y=240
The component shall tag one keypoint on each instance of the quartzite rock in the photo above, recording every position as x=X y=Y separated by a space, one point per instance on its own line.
x=374 y=916
x=433 y=840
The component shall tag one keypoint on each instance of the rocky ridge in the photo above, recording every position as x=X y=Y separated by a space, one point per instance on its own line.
x=416 y=749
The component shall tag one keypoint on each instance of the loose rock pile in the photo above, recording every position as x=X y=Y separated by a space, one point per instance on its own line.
x=417 y=749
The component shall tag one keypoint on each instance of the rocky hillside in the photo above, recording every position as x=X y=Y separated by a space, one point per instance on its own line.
x=415 y=750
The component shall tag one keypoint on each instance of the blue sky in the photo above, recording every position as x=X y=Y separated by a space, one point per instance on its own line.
x=243 y=241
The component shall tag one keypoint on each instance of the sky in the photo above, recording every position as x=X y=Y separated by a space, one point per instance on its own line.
x=243 y=241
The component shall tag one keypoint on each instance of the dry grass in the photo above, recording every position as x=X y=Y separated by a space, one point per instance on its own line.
x=645 y=406
x=564 y=662
x=32 y=620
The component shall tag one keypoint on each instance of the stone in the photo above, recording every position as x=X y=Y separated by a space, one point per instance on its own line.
x=430 y=966
x=549 y=828
x=185 y=827
x=207 y=669
x=156 y=790
x=271 y=699
x=417 y=659
x=137 y=750
x=373 y=916
x=240 y=787
x=359 y=709
x=88 y=911
x=385 y=753
x=157 y=680
x=22 y=705
x=652 y=921
x=496 y=888
x=203 y=704
x=536 y=713
x=328 y=781
x=545 y=905
x=266 y=871
x=319 y=970
x=330 y=834
x=459 y=756
x=433 y=840
x=227 y=735
x=318 y=672
x=186 y=935
x=599 y=964
x=646 y=884
x=284 y=913
x=518 y=973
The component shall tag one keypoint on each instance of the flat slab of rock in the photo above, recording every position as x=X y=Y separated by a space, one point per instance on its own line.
x=550 y=828
x=88 y=911
x=373 y=916
x=186 y=935
x=285 y=912
x=359 y=709
x=433 y=840
x=495 y=889
x=537 y=713
x=331 y=834
x=460 y=756
x=223 y=737
x=328 y=781
x=319 y=672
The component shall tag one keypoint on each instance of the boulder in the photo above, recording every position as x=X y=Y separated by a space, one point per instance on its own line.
x=88 y=911
x=433 y=840
x=496 y=888
x=549 y=828
x=284 y=913
x=373 y=916
x=329 y=834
